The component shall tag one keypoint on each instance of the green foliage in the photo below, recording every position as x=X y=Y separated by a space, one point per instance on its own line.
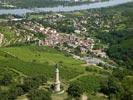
x=6 y=80
x=75 y=90
x=120 y=73
x=65 y=26
x=89 y=83
x=33 y=82
x=39 y=95
x=123 y=52
x=3 y=96
x=11 y=94
x=22 y=57
x=98 y=70
x=40 y=79
x=29 y=84
x=14 y=92
x=120 y=38
x=17 y=91
x=40 y=35
x=41 y=3
x=77 y=50
x=128 y=86
x=112 y=88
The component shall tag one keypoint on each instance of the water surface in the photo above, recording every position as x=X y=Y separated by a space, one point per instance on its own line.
x=65 y=8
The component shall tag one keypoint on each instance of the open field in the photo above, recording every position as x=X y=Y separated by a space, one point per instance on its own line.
x=32 y=60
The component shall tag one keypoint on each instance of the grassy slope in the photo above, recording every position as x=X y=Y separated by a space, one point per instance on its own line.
x=32 y=60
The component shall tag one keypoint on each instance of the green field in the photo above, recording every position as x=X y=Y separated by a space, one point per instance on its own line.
x=34 y=60
x=31 y=60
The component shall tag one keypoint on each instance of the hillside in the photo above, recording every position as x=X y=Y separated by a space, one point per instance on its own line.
x=120 y=41
x=113 y=28
x=39 y=3
x=33 y=60
x=14 y=34
x=91 y=49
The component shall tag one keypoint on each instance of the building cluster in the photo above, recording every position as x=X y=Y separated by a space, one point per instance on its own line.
x=66 y=42
x=54 y=38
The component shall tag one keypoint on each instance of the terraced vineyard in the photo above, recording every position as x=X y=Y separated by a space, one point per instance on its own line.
x=29 y=61
x=33 y=60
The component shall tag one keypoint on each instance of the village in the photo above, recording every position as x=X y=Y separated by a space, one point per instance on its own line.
x=71 y=43
x=77 y=43
x=75 y=34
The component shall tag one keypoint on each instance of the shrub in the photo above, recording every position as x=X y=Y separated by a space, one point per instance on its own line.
x=33 y=82
x=75 y=90
x=6 y=80
x=39 y=95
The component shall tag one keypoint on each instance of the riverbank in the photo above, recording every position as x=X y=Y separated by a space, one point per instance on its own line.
x=43 y=3
x=65 y=8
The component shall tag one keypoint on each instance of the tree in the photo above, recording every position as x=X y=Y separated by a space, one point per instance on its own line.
x=127 y=83
x=120 y=73
x=16 y=91
x=40 y=79
x=39 y=95
x=11 y=94
x=33 y=82
x=29 y=84
x=75 y=90
x=3 y=96
x=77 y=50
x=6 y=80
x=112 y=88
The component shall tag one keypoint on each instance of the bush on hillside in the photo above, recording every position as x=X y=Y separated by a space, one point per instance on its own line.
x=33 y=82
x=75 y=90
x=6 y=80
x=39 y=95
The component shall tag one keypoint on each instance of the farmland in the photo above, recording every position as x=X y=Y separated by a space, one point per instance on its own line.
x=34 y=60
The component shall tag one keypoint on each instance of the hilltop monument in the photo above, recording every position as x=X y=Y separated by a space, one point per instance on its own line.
x=57 y=81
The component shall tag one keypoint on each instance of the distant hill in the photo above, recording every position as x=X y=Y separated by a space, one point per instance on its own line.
x=40 y=3
x=121 y=42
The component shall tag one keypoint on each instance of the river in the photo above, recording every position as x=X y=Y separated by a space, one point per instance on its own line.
x=65 y=8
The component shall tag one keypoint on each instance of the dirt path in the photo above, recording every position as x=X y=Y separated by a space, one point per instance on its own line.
x=85 y=74
x=75 y=78
x=84 y=97
x=18 y=72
